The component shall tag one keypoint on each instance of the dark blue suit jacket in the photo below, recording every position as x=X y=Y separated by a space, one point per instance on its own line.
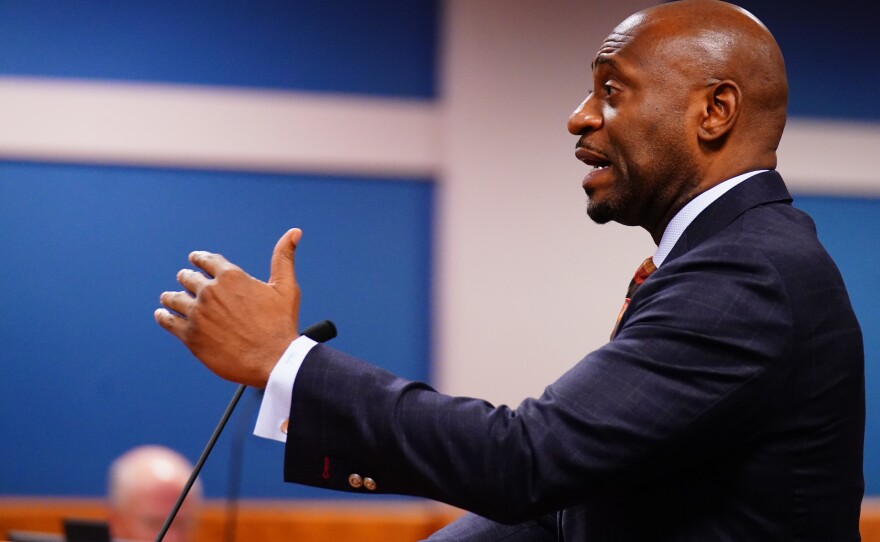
x=730 y=406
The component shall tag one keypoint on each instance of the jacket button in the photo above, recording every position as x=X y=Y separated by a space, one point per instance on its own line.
x=355 y=480
x=370 y=484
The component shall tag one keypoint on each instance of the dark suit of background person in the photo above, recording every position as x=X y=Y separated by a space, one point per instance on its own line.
x=728 y=406
x=730 y=402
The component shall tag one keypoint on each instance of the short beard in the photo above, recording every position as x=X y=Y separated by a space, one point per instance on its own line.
x=614 y=208
x=600 y=213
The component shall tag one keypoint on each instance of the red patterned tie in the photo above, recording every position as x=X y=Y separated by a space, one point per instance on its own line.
x=642 y=273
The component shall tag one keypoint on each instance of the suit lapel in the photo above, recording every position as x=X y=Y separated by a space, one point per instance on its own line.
x=761 y=189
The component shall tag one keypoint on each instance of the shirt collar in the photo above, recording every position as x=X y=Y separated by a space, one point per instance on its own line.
x=691 y=211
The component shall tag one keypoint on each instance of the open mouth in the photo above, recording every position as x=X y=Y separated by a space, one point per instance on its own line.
x=596 y=176
x=595 y=160
x=591 y=158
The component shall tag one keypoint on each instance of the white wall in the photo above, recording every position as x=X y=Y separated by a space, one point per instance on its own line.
x=526 y=284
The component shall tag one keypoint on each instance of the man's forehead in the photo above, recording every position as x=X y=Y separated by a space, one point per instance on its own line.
x=619 y=38
x=630 y=25
x=640 y=38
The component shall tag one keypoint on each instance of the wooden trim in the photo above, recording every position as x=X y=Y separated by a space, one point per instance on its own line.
x=303 y=521
x=264 y=520
x=319 y=522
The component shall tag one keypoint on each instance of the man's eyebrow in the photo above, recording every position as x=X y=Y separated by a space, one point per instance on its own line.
x=603 y=59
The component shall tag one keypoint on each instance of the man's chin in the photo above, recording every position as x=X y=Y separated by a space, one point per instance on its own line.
x=599 y=213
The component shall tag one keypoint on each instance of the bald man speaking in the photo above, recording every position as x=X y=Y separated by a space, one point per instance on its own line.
x=729 y=403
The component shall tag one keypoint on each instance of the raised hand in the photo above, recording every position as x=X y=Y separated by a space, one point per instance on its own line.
x=238 y=326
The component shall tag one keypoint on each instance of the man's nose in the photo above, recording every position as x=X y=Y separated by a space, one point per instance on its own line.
x=585 y=118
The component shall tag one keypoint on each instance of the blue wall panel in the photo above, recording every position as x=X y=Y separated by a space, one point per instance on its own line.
x=848 y=228
x=384 y=48
x=830 y=51
x=85 y=373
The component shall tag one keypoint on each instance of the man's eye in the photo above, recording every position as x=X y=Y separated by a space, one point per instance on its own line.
x=609 y=90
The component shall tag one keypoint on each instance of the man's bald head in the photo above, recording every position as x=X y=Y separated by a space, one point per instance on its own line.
x=709 y=41
x=144 y=483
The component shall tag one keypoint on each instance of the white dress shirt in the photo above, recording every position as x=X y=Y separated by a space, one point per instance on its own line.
x=272 y=419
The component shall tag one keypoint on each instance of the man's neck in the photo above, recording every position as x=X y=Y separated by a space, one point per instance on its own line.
x=691 y=211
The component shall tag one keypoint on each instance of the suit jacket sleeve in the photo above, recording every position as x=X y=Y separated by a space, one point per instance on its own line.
x=692 y=369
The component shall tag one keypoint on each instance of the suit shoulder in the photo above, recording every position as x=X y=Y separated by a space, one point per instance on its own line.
x=776 y=234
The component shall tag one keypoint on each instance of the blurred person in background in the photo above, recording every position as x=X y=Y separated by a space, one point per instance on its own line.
x=143 y=485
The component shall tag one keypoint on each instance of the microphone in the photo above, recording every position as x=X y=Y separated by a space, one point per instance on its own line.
x=320 y=332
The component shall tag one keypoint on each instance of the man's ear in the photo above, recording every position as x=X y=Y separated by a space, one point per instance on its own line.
x=722 y=107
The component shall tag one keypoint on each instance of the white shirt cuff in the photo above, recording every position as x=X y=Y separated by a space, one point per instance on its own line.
x=275 y=407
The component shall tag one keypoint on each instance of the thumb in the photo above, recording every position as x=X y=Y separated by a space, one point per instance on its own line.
x=281 y=270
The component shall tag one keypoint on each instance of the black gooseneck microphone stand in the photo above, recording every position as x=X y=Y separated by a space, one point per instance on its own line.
x=321 y=332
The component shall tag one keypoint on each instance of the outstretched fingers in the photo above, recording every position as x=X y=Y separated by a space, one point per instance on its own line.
x=180 y=302
x=170 y=322
x=193 y=281
x=212 y=264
